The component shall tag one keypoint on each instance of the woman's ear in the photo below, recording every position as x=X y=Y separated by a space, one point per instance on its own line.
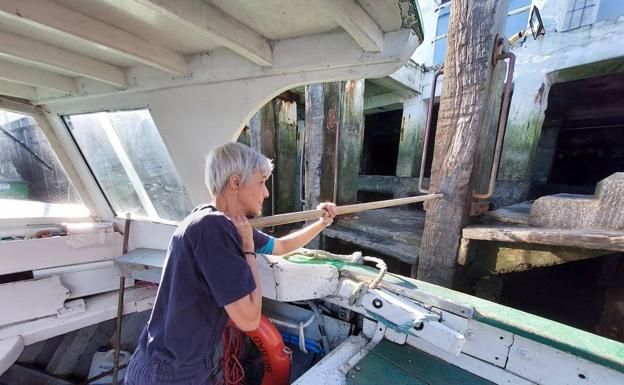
x=234 y=182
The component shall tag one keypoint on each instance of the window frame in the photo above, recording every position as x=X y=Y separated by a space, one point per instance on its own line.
x=115 y=214
x=445 y=7
x=42 y=118
x=570 y=9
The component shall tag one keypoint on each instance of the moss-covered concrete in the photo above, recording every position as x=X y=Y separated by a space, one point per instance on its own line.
x=590 y=70
x=411 y=138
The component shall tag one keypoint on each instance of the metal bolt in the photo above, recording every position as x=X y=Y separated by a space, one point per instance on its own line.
x=471 y=335
x=526 y=353
x=353 y=376
x=358 y=368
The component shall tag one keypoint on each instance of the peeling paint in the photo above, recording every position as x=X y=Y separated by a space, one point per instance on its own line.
x=410 y=17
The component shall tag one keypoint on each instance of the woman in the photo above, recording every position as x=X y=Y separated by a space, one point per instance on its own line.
x=210 y=272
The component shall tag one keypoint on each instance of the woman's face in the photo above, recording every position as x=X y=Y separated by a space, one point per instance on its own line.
x=253 y=193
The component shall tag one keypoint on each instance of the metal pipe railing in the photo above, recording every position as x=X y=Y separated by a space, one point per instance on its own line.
x=426 y=134
x=502 y=125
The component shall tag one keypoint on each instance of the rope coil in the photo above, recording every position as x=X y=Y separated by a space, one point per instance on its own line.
x=301 y=326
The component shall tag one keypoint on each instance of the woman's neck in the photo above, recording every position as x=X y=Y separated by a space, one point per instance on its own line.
x=227 y=207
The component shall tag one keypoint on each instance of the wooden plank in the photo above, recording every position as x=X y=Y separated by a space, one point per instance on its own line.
x=587 y=239
x=463 y=107
x=322 y=117
x=263 y=137
x=308 y=215
x=32 y=254
x=394 y=223
x=350 y=141
x=285 y=169
x=483 y=159
x=397 y=185
x=516 y=214
x=392 y=248
x=24 y=300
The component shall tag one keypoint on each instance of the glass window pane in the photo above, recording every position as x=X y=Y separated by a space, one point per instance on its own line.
x=443 y=22
x=32 y=182
x=131 y=163
x=575 y=20
x=587 y=16
x=610 y=9
x=439 y=51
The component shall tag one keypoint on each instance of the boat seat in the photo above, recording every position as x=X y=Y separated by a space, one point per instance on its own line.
x=284 y=281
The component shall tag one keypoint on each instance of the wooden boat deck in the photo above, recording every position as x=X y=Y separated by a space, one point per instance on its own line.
x=393 y=232
x=389 y=363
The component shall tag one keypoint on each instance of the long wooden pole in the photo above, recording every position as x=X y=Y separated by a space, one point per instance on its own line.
x=282 y=219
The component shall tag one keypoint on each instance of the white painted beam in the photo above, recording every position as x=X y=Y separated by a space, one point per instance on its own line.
x=10 y=350
x=36 y=52
x=356 y=22
x=30 y=299
x=41 y=253
x=97 y=308
x=17 y=90
x=217 y=25
x=37 y=78
x=50 y=17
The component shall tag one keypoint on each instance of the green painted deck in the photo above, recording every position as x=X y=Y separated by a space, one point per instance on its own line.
x=389 y=363
x=591 y=347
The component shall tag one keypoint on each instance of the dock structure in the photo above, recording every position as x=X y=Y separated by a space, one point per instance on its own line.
x=364 y=141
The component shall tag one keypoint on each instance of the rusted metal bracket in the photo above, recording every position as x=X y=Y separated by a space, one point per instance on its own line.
x=426 y=135
x=477 y=206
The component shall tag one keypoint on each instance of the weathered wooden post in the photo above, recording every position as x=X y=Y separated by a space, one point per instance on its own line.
x=467 y=86
x=322 y=117
x=285 y=164
x=350 y=141
x=262 y=138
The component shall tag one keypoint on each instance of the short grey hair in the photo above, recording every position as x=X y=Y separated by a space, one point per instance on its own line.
x=233 y=159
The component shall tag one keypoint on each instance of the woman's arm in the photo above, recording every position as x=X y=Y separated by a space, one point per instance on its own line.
x=246 y=311
x=293 y=241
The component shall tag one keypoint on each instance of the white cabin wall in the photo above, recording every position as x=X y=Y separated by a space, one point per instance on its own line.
x=194 y=118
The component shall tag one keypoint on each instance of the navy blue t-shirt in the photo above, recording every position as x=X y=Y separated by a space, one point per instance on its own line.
x=205 y=270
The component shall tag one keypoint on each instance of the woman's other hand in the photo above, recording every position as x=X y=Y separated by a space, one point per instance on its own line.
x=245 y=231
x=331 y=210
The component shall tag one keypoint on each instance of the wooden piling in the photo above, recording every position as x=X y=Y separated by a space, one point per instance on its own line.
x=262 y=127
x=286 y=157
x=351 y=141
x=463 y=107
